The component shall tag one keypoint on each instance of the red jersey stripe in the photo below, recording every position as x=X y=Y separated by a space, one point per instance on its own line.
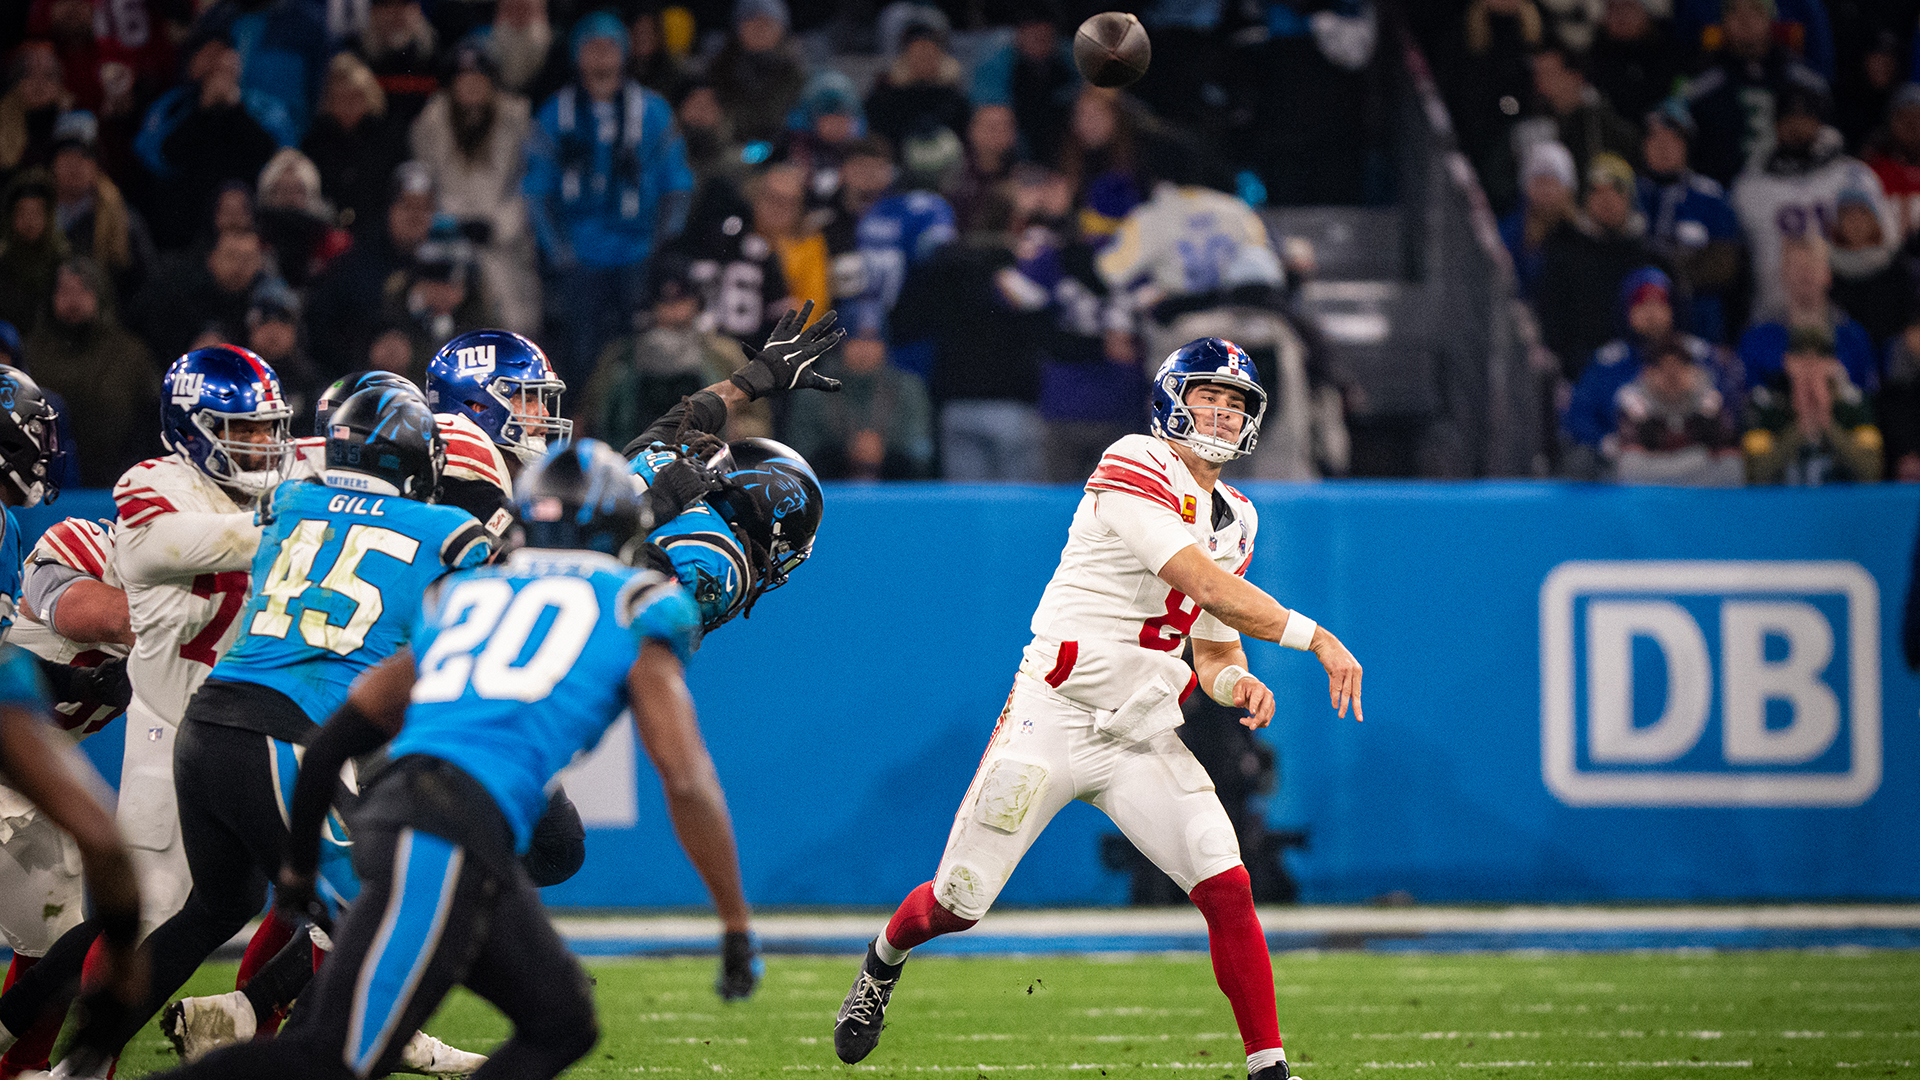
x=137 y=512
x=76 y=549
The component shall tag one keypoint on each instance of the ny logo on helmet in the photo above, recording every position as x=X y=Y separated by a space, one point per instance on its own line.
x=476 y=360
x=188 y=386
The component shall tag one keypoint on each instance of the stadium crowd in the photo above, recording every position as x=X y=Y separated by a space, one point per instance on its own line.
x=644 y=187
x=1712 y=209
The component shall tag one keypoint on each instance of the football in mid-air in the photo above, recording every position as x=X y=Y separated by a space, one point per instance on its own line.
x=1111 y=49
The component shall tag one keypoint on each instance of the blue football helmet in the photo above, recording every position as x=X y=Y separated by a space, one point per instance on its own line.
x=1217 y=362
x=773 y=502
x=29 y=442
x=352 y=383
x=504 y=383
x=204 y=393
x=582 y=497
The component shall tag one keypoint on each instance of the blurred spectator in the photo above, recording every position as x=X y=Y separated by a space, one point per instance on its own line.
x=1872 y=66
x=533 y=60
x=988 y=342
x=1868 y=282
x=437 y=299
x=31 y=249
x=189 y=295
x=1633 y=61
x=1311 y=63
x=29 y=109
x=113 y=56
x=80 y=351
x=831 y=107
x=712 y=151
x=471 y=138
x=917 y=105
x=1179 y=243
x=640 y=376
x=344 y=304
x=1033 y=76
x=1099 y=159
x=993 y=143
x=650 y=62
x=739 y=274
x=1799 y=26
x=401 y=50
x=91 y=212
x=1794 y=189
x=273 y=331
x=1646 y=321
x=390 y=350
x=1808 y=423
x=1735 y=98
x=1547 y=187
x=1898 y=405
x=1573 y=23
x=1582 y=121
x=878 y=427
x=891 y=232
x=1674 y=426
x=1690 y=224
x=779 y=198
x=354 y=142
x=284 y=49
x=295 y=220
x=759 y=73
x=232 y=212
x=1585 y=261
x=206 y=131
x=1894 y=154
x=1489 y=80
x=1806 y=274
x=603 y=199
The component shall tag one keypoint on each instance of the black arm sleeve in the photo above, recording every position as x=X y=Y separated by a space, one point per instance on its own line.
x=706 y=411
x=347 y=734
x=476 y=497
x=559 y=845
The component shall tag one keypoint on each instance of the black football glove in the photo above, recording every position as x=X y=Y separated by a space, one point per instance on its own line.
x=787 y=361
x=678 y=485
x=105 y=682
x=740 y=966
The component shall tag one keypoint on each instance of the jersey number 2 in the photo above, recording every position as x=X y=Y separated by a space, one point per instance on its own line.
x=1164 y=633
x=488 y=610
x=290 y=575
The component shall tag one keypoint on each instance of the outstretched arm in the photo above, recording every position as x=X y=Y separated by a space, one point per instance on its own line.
x=1243 y=606
x=1222 y=667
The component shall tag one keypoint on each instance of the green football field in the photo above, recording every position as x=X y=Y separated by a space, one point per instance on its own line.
x=1344 y=1014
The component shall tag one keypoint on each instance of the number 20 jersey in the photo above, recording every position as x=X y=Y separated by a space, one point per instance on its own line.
x=522 y=666
x=337 y=583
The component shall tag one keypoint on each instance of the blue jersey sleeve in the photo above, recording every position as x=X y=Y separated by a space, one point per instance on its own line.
x=20 y=681
x=660 y=610
x=12 y=557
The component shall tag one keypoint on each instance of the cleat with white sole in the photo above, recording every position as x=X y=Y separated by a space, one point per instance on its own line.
x=425 y=1055
x=197 y=1026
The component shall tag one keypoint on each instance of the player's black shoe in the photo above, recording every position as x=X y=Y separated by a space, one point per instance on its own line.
x=1275 y=1071
x=856 y=1031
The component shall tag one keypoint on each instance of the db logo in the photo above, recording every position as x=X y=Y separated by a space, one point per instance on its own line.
x=1710 y=683
x=188 y=386
x=477 y=360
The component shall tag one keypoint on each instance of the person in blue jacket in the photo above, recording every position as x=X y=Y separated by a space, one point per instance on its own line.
x=607 y=183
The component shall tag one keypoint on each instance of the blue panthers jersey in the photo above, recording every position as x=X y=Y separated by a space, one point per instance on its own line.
x=522 y=666
x=707 y=557
x=20 y=681
x=898 y=233
x=338 y=581
x=13 y=556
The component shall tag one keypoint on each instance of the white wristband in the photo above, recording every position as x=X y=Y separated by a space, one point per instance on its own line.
x=1224 y=683
x=1298 y=633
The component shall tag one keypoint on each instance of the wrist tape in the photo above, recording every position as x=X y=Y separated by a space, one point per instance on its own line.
x=1298 y=633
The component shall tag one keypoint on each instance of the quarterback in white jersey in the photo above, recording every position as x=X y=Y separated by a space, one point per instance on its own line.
x=184 y=544
x=1155 y=556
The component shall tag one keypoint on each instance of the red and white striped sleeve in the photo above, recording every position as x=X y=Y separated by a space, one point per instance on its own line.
x=136 y=497
x=471 y=455
x=1137 y=465
x=78 y=544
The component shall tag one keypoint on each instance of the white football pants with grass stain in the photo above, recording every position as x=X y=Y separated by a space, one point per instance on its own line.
x=149 y=817
x=40 y=883
x=1044 y=753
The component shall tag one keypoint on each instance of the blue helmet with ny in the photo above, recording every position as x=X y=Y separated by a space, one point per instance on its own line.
x=1208 y=361
x=504 y=383
x=204 y=394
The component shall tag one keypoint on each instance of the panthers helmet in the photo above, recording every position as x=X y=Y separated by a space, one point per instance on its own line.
x=1214 y=361
x=774 y=502
x=204 y=393
x=504 y=383
x=582 y=497
x=382 y=441
x=352 y=383
x=29 y=443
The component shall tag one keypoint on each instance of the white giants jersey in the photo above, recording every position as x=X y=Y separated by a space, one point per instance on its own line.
x=183 y=549
x=1142 y=507
x=84 y=546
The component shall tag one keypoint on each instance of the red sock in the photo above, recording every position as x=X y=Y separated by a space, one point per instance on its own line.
x=273 y=935
x=36 y=1043
x=93 y=972
x=921 y=919
x=1240 y=961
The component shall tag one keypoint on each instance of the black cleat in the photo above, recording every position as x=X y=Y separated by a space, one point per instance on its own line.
x=1275 y=1071
x=856 y=1031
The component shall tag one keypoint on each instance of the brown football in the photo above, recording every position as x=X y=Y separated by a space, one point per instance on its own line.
x=1111 y=49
